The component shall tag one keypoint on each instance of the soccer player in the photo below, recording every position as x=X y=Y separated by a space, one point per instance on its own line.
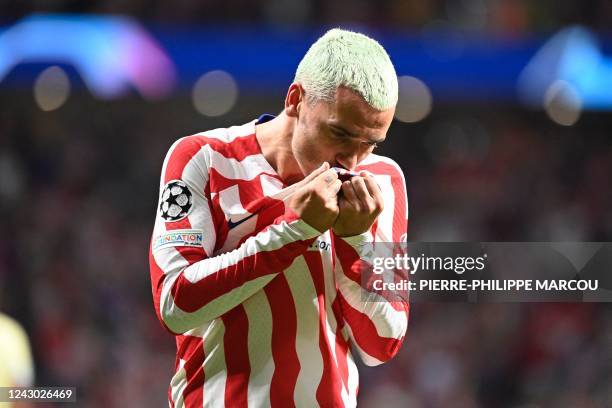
x=256 y=252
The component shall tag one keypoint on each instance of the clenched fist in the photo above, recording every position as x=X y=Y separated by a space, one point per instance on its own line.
x=316 y=199
x=361 y=203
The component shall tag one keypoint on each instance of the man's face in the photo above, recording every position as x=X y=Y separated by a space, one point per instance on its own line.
x=342 y=132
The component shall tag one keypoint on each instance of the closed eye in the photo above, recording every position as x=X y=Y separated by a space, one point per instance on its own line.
x=339 y=133
x=342 y=134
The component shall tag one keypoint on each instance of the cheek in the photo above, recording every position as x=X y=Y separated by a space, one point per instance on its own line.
x=309 y=149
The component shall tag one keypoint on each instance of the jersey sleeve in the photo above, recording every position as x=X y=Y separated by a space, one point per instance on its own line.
x=376 y=325
x=191 y=285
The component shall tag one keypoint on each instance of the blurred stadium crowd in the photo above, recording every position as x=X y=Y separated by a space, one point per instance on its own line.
x=78 y=191
x=500 y=16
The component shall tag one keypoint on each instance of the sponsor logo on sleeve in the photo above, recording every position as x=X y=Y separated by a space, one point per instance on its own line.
x=188 y=238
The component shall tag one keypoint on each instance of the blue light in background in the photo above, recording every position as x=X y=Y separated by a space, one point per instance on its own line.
x=573 y=55
x=111 y=54
x=114 y=54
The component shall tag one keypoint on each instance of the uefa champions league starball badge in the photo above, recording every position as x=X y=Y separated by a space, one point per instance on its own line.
x=176 y=201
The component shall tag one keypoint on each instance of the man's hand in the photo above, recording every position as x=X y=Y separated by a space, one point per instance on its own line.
x=360 y=204
x=316 y=200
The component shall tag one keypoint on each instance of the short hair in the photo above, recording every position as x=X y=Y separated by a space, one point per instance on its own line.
x=345 y=58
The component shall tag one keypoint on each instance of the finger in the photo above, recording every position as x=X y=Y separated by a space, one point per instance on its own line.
x=350 y=196
x=335 y=187
x=327 y=177
x=374 y=189
x=362 y=193
x=322 y=168
x=316 y=172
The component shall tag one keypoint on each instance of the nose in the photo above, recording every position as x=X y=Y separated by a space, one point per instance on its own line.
x=351 y=158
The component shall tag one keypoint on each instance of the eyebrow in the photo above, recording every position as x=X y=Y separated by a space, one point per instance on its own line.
x=354 y=135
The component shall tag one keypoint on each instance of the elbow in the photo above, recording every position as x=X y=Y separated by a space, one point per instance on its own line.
x=384 y=354
x=173 y=325
x=171 y=319
x=178 y=321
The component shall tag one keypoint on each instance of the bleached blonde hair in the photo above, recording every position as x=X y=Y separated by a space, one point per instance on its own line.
x=353 y=60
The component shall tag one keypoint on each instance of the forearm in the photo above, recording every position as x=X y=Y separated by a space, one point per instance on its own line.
x=191 y=293
x=377 y=323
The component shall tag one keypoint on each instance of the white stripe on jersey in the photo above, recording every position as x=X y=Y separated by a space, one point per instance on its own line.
x=330 y=296
x=307 y=312
x=275 y=237
x=353 y=377
x=259 y=314
x=355 y=296
x=181 y=320
x=193 y=177
x=245 y=169
x=231 y=133
x=215 y=372
x=199 y=161
x=385 y=219
x=270 y=185
x=229 y=200
x=178 y=384
x=365 y=357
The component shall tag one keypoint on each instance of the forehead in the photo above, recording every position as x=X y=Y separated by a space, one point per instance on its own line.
x=350 y=110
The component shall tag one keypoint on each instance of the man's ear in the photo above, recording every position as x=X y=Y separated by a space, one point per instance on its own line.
x=294 y=99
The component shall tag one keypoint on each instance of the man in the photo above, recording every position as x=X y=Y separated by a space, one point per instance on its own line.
x=256 y=249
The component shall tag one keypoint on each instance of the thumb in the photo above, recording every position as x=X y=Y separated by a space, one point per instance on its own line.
x=321 y=169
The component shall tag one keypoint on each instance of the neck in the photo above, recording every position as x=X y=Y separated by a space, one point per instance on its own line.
x=274 y=138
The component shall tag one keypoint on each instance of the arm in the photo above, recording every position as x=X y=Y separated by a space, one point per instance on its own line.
x=375 y=325
x=190 y=286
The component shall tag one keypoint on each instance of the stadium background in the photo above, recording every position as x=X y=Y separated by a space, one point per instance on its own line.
x=79 y=182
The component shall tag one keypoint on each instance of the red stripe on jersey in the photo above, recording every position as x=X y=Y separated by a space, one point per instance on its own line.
x=399 y=211
x=176 y=225
x=270 y=214
x=365 y=334
x=235 y=343
x=189 y=146
x=273 y=214
x=330 y=386
x=342 y=345
x=191 y=349
x=180 y=224
x=342 y=357
x=238 y=149
x=219 y=221
x=192 y=254
x=157 y=282
x=284 y=331
x=251 y=193
x=353 y=267
x=349 y=259
x=192 y=296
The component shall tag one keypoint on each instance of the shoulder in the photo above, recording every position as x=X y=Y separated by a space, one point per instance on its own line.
x=224 y=140
x=199 y=150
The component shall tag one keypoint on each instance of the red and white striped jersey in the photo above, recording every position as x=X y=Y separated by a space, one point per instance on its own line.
x=266 y=310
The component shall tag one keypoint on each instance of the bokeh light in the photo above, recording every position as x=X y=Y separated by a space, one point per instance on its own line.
x=51 y=88
x=563 y=103
x=414 y=103
x=215 y=93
